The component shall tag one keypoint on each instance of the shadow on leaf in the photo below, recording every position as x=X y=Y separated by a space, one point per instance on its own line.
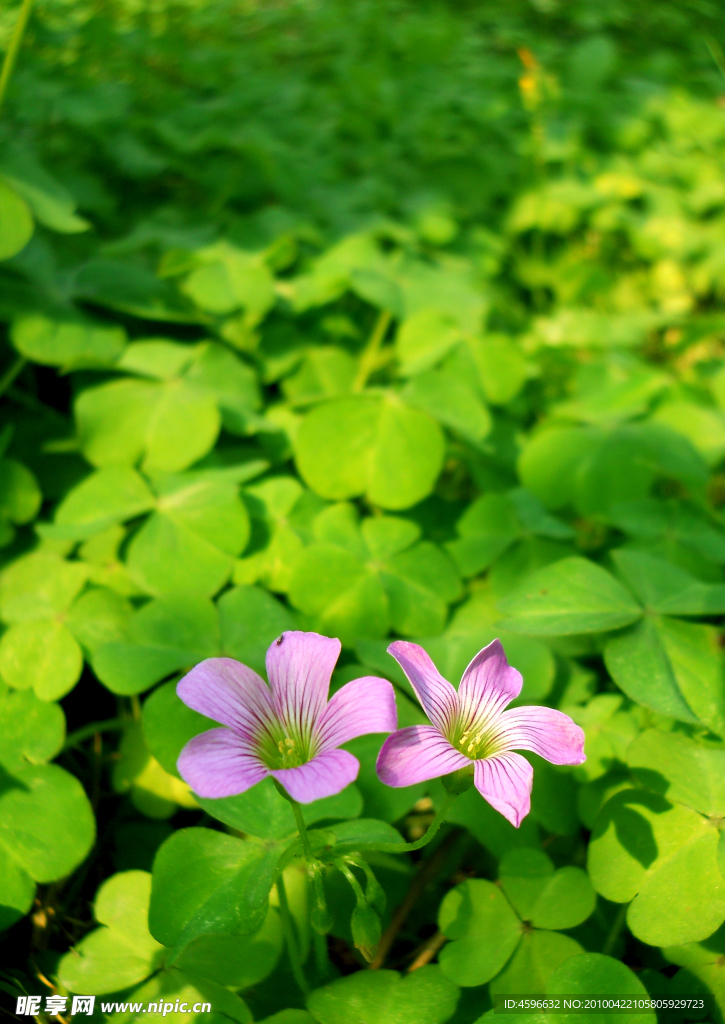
x=634 y=832
x=8 y=782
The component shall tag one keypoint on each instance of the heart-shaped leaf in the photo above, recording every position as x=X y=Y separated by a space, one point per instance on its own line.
x=122 y=952
x=384 y=997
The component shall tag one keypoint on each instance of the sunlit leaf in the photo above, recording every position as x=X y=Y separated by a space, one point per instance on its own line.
x=122 y=952
x=368 y=445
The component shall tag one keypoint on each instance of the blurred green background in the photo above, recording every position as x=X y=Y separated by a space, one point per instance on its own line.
x=162 y=116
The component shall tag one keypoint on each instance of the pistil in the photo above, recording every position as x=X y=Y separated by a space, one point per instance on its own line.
x=476 y=743
x=290 y=754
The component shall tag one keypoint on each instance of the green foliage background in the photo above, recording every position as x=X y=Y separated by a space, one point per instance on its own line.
x=377 y=319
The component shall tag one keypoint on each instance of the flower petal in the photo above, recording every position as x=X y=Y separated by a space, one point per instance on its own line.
x=488 y=685
x=325 y=775
x=230 y=693
x=415 y=754
x=505 y=780
x=299 y=666
x=362 y=706
x=438 y=698
x=219 y=763
x=549 y=733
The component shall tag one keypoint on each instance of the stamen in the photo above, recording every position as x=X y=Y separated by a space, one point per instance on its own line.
x=278 y=749
x=478 y=743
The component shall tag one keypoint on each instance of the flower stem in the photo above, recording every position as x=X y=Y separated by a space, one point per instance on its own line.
x=370 y=352
x=419 y=843
x=288 y=927
x=314 y=867
x=13 y=49
x=354 y=884
x=322 y=958
x=302 y=829
x=299 y=821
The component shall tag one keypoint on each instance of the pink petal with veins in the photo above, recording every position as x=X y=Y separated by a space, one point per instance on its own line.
x=325 y=775
x=219 y=763
x=550 y=734
x=415 y=754
x=230 y=693
x=299 y=667
x=436 y=695
x=363 y=706
x=488 y=685
x=505 y=780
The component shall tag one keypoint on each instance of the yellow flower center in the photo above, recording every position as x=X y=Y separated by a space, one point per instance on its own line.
x=478 y=741
x=290 y=753
x=280 y=751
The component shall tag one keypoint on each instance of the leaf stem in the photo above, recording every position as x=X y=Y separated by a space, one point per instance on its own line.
x=428 y=869
x=615 y=930
x=429 y=950
x=713 y=48
x=86 y=731
x=369 y=356
x=10 y=374
x=288 y=928
x=13 y=49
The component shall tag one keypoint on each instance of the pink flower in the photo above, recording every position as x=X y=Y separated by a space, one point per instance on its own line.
x=289 y=729
x=471 y=729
